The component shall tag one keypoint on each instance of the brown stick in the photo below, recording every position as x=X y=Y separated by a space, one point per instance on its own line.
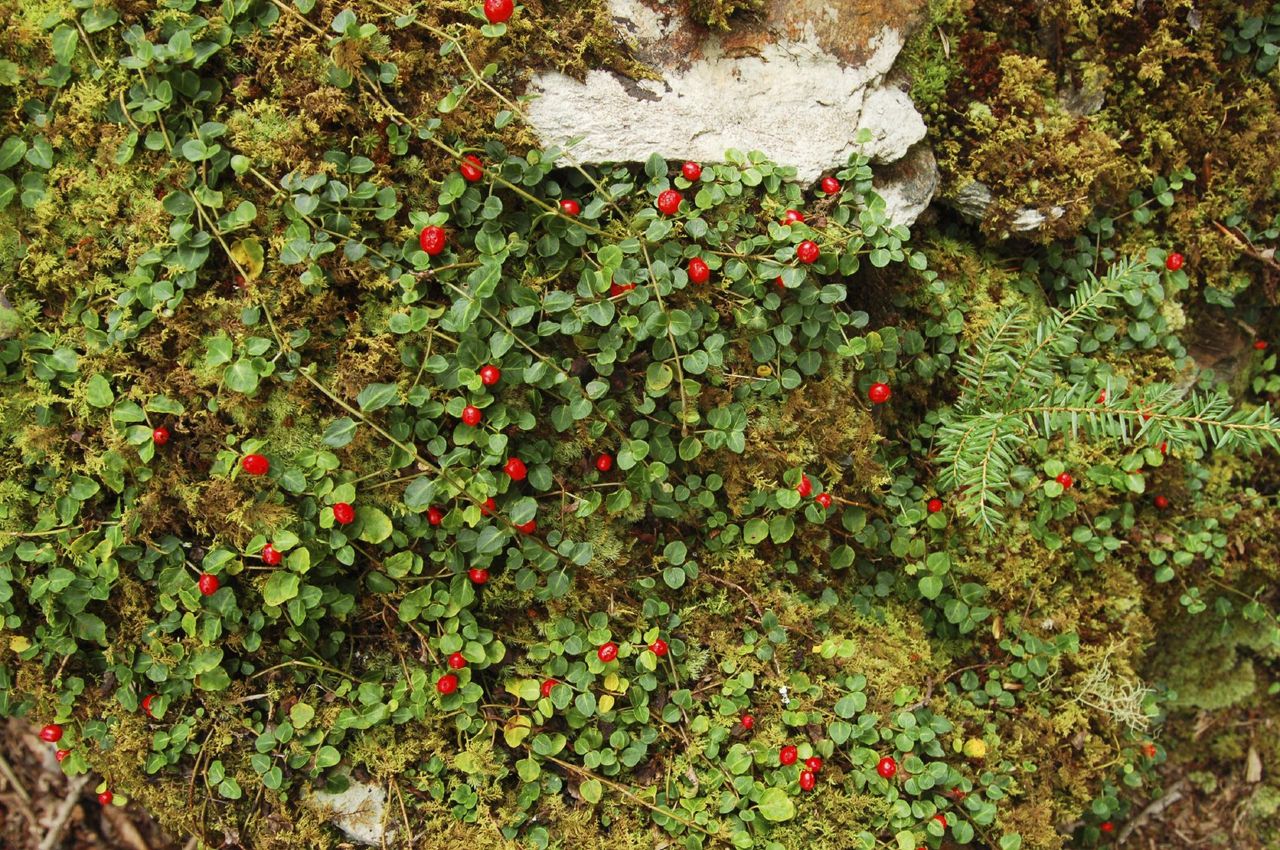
x=1154 y=808
x=63 y=814
x=1247 y=247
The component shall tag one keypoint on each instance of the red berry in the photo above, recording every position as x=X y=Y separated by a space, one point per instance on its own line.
x=779 y=283
x=616 y=289
x=1149 y=750
x=570 y=207
x=488 y=507
x=808 y=252
x=788 y=755
x=1102 y=396
x=208 y=584
x=160 y=436
x=527 y=527
x=472 y=168
x=1164 y=448
x=934 y=505
x=61 y=754
x=146 y=703
x=608 y=652
x=105 y=798
x=1106 y=826
x=1066 y=480
x=691 y=171
x=792 y=217
x=255 y=464
x=435 y=516
x=823 y=499
x=478 y=575
x=941 y=818
x=1162 y=502
x=887 y=767
x=471 y=415
x=456 y=661
x=1174 y=262
x=498 y=11
x=447 y=684
x=814 y=763
x=343 y=513
x=748 y=722
x=490 y=375
x=805 y=487
x=51 y=734
x=699 y=272
x=270 y=556
x=1260 y=344
x=807 y=780
x=669 y=202
x=604 y=462
x=516 y=469
x=547 y=686
x=658 y=647
x=879 y=393
x=830 y=185
x=432 y=239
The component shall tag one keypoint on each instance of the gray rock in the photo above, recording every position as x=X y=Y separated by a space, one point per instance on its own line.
x=908 y=185
x=799 y=84
x=360 y=812
x=973 y=199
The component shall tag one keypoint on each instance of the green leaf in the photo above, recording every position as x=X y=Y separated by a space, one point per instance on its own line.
x=755 y=531
x=215 y=680
x=376 y=396
x=97 y=19
x=375 y=526
x=301 y=714
x=90 y=627
x=248 y=254
x=591 y=790
x=65 y=39
x=327 y=756
x=98 y=391
x=280 y=588
x=11 y=152
x=775 y=805
x=41 y=154
x=419 y=494
x=930 y=586
x=340 y=432
x=241 y=377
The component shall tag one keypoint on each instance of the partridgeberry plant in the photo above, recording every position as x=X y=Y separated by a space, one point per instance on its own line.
x=560 y=501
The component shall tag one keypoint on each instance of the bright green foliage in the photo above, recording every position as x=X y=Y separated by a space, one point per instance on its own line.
x=219 y=208
x=1011 y=391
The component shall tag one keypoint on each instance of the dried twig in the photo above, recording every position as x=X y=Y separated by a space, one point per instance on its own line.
x=1154 y=808
x=1266 y=257
x=129 y=834
x=54 y=834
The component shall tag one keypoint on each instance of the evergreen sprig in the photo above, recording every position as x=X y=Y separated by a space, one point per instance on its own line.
x=1012 y=392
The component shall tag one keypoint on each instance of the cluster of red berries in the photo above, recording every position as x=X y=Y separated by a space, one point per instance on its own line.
x=51 y=734
x=809 y=776
x=606 y=652
x=805 y=489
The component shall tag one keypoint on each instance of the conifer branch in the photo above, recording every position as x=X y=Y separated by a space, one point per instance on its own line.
x=1012 y=392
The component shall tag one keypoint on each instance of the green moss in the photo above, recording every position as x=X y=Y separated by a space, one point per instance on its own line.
x=717 y=14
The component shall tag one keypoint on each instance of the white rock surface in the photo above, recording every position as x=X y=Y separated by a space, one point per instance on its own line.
x=908 y=185
x=789 y=98
x=360 y=812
